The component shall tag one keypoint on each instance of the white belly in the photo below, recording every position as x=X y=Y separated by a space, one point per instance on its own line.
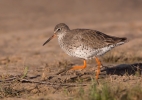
x=90 y=53
x=86 y=53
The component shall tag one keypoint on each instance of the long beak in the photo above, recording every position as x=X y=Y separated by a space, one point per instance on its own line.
x=49 y=39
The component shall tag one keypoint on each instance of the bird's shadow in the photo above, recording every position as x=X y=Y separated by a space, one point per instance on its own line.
x=123 y=69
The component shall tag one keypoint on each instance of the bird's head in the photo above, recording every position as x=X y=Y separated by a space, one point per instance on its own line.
x=59 y=30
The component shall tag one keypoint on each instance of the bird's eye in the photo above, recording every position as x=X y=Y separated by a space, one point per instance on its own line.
x=58 y=29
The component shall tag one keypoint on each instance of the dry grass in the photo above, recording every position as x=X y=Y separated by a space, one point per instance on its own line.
x=74 y=85
x=121 y=57
x=108 y=92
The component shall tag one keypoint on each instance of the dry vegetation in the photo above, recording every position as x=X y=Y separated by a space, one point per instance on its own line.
x=75 y=85
x=29 y=71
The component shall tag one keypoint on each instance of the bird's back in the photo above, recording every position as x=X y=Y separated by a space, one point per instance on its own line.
x=92 y=38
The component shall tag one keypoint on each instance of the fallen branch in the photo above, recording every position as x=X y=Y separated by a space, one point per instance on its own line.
x=53 y=84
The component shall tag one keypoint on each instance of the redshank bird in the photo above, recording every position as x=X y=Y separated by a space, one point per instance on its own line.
x=85 y=43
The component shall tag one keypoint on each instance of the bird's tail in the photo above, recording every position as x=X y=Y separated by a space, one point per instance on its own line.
x=120 y=41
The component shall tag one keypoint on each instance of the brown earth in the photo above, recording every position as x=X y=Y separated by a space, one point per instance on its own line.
x=26 y=24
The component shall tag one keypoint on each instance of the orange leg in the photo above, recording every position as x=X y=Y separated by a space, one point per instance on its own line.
x=99 y=67
x=80 y=67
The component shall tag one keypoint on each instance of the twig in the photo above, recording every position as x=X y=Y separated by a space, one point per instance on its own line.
x=52 y=84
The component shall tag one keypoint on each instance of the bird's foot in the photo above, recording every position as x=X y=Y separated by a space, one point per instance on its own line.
x=98 y=72
x=98 y=69
x=78 y=67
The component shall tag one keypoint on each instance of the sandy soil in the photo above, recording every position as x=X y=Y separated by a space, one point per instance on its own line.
x=25 y=25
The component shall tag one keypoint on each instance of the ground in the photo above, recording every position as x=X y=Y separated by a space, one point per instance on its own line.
x=30 y=70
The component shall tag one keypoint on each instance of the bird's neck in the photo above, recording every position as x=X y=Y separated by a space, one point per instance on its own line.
x=61 y=40
x=61 y=35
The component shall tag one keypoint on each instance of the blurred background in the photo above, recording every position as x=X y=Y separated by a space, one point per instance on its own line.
x=26 y=24
x=26 y=15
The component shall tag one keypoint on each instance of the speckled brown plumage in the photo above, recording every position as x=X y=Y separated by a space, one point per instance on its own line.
x=85 y=43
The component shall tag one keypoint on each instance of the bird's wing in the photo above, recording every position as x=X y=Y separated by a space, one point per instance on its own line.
x=95 y=39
